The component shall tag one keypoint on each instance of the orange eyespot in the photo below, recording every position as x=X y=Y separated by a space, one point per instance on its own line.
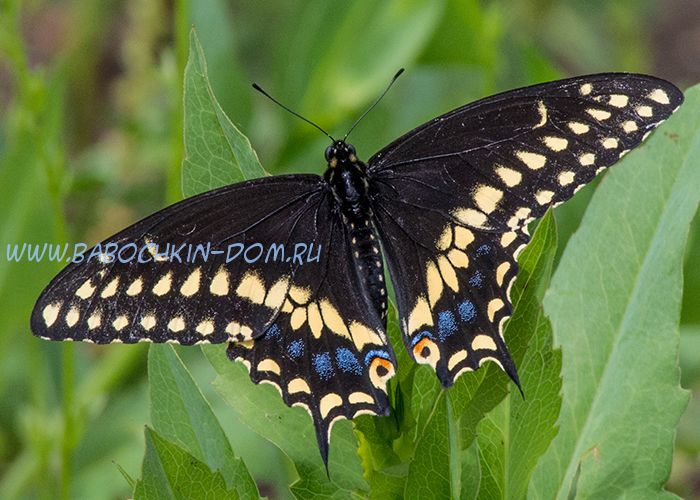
x=380 y=371
x=426 y=352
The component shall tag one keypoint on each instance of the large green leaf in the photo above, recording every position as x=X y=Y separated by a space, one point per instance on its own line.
x=517 y=432
x=614 y=306
x=180 y=414
x=169 y=472
x=216 y=152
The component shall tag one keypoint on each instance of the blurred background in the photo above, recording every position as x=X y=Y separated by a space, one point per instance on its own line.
x=91 y=141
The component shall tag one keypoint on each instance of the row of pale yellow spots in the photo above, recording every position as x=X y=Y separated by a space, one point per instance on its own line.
x=251 y=288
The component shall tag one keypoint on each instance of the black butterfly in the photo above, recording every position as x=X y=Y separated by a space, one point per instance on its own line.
x=448 y=202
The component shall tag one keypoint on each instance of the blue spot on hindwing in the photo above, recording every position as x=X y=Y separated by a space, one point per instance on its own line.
x=376 y=354
x=447 y=325
x=483 y=250
x=477 y=279
x=347 y=361
x=296 y=349
x=273 y=332
x=420 y=336
x=467 y=311
x=323 y=365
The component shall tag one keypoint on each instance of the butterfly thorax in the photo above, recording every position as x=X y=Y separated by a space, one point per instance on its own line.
x=347 y=178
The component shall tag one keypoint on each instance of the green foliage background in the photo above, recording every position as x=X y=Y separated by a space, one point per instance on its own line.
x=91 y=139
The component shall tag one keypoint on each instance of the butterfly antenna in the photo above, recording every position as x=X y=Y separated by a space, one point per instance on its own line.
x=398 y=74
x=260 y=89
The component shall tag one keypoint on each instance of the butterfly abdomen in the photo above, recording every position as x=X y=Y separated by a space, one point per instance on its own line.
x=368 y=257
x=347 y=177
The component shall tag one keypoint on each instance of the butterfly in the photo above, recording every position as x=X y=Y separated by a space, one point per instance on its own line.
x=303 y=302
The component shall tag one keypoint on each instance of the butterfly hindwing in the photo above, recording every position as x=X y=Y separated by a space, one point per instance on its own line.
x=327 y=350
x=479 y=174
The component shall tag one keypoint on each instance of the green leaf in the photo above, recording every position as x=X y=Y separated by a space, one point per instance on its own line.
x=181 y=414
x=475 y=394
x=516 y=433
x=614 y=304
x=169 y=472
x=436 y=469
x=261 y=408
x=216 y=152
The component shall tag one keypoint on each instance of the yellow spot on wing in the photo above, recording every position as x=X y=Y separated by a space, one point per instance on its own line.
x=509 y=176
x=191 y=284
x=73 y=316
x=448 y=273
x=360 y=397
x=629 y=126
x=501 y=271
x=94 y=321
x=544 y=196
x=315 y=320
x=578 y=128
x=110 y=289
x=487 y=198
x=458 y=258
x=644 y=111
x=332 y=319
x=494 y=306
x=269 y=365
x=205 y=327
x=610 y=143
x=298 y=385
x=50 y=313
x=542 y=110
x=618 y=100
x=219 y=285
x=599 y=114
x=177 y=324
x=659 y=96
x=148 y=322
x=300 y=295
x=470 y=217
x=298 y=318
x=434 y=282
x=252 y=288
x=277 y=293
x=483 y=342
x=585 y=89
x=120 y=322
x=534 y=161
x=463 y=237
x=556 y=143
x=163 y=285
x=456 y=358
x=420 y=315
x=135 y=288
x=565 y=178
x=445 y=239
x=363 y=335
x=587 y=159
x=508 y=238
x=86 y=290
x=328 y=402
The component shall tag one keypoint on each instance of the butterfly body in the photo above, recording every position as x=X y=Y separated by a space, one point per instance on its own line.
x=347 y=178
x=449 y=201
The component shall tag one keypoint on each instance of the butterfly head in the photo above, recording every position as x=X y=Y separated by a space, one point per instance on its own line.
x=340 y=152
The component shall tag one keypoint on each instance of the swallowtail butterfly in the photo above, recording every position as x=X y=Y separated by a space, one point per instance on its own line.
x=447 y=205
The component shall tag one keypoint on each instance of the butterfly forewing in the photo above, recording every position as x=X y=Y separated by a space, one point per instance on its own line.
x=163 y=282
x=479 y=174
